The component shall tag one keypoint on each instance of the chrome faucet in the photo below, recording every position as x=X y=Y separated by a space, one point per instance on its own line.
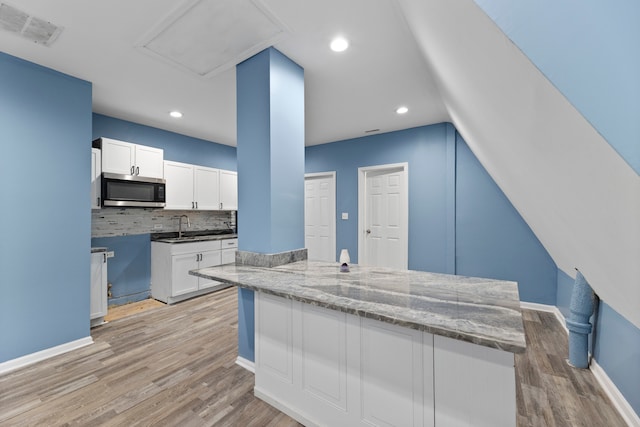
x=180 y=225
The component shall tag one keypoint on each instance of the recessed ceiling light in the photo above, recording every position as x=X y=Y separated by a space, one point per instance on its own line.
x=175 y=114
x=339 y=44
x=402 y=110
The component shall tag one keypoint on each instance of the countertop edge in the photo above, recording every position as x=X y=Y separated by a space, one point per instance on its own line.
x=508 y=346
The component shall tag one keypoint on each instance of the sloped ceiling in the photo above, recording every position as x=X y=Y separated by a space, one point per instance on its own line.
x=577 y=194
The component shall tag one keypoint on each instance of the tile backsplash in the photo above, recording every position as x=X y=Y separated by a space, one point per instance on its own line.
x=109 y=222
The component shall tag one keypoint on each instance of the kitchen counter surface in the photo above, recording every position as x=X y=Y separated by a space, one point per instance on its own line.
x=482 y=311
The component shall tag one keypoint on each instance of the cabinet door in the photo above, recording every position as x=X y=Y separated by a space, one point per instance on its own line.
x=179 y=186
x=96 y=171
x=206 y=188
x=229 y=256
x=181 y=281
x=149 y=161
x=208 y=259
x=117 y=156
x=228 y=190
x=98 y=305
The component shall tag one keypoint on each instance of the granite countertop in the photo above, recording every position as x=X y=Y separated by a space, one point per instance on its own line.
x=192 y=236
x=482 y=311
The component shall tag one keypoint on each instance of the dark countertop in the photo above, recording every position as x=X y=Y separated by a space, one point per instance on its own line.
x=482 y=311
x=193 y=236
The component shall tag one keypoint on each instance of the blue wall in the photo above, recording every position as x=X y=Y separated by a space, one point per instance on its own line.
x=617 y=343
x=45 y=223
x=425 y=150
x=589 y=51
x=129 y=271
x=455 y=209
x=492 y=239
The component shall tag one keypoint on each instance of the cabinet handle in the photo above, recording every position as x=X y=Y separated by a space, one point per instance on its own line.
x=221 y=205
x=196 y=205
x=98 y=201
x=193 y=205
x=104 y=257
x=132 y=169
x=138 y=170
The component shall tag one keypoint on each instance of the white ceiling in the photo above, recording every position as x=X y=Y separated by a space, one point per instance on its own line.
x=346 y=93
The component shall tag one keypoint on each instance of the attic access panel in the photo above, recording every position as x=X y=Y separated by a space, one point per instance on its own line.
x=206 y=37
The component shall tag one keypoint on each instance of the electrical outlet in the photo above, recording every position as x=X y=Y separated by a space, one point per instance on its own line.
x=157 y=226
x=345 y=215
x=110 y=254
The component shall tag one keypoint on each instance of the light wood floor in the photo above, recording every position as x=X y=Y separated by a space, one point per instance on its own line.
x=174 y=366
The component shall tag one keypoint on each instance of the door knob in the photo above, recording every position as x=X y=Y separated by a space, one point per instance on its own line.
x=368 y=231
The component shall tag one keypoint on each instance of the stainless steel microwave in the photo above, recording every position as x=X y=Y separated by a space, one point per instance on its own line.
x=132 y=191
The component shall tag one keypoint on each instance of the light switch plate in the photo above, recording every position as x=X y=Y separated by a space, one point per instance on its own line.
x=345 y=215
x=110 y=254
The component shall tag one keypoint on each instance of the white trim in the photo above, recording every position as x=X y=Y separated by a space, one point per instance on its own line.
x=619 y=402
x=332 y=175
x=246 y=364
x=39 y=356
x=362 y=180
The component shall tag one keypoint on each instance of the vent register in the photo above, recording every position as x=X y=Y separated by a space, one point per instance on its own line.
x=207 y=37
x=27 y=26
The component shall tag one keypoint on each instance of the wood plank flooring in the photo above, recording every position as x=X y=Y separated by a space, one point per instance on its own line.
x=126 y=310
x=174 y=366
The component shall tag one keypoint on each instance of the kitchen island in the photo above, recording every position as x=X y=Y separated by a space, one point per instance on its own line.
x=376 y=346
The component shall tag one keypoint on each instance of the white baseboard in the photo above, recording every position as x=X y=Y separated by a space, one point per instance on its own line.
x=293 y=413
x=546 y=308
x=246 y=364
x=20 y=362
x=619 y=402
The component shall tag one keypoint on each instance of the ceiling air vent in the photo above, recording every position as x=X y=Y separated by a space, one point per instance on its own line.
x=206 y=37
x=35 y=29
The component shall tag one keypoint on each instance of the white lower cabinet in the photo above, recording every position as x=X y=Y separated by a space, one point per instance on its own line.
x=170 y=266
x=327 y=367
x=98 y=304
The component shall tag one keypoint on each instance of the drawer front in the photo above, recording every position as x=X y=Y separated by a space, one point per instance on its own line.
x=185 y=248
x=229 y=243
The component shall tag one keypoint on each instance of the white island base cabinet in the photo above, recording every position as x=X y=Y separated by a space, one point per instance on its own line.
x=328 y=368
x=171 y=263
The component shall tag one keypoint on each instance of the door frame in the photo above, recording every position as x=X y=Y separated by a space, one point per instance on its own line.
x=332 y=175
x=362 y=206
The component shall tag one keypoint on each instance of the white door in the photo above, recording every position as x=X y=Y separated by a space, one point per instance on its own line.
x=182 y=281
x=207 y=188
x=228 y=190
x=208 y=259
x=118 y=156
x=320 y=216
x=149 y=161
x=179 y=186
x=383 y=216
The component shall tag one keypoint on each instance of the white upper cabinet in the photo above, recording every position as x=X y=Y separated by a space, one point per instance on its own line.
x=179 y=185
x=206 y=188
x=96 y=171
x=228 y=190
x=126 y=158
x=199 y=187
